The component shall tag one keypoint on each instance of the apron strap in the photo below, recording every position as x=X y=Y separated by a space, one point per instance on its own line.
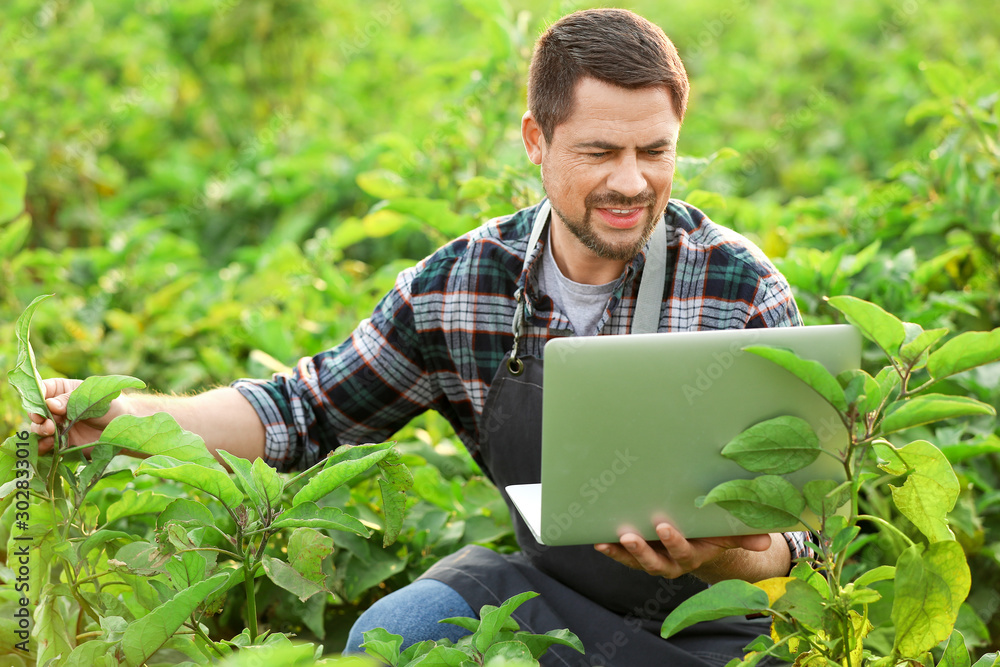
x=650 y=299
x=648 y=302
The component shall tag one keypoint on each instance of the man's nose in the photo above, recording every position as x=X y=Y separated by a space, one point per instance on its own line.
x=626 y=179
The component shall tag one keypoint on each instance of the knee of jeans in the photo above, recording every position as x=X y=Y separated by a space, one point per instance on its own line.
x=413 y=612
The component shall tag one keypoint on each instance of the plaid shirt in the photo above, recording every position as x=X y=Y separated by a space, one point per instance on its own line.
x=436 y=340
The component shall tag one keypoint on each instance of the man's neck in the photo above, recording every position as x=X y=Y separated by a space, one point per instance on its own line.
x=578 y=262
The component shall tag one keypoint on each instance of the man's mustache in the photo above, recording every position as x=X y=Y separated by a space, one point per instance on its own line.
x=609 y=200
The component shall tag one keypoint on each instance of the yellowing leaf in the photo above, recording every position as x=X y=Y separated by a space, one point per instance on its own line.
x=774 y=587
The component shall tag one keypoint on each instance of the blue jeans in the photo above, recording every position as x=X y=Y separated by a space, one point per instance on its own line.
x=413 y=612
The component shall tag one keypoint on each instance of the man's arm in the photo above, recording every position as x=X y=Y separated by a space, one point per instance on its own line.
x=747 y=557
x=222 y=417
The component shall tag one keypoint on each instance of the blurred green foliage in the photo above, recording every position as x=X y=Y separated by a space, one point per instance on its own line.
x=218 y=187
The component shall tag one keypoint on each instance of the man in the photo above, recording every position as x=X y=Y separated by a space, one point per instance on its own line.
x=606 y=94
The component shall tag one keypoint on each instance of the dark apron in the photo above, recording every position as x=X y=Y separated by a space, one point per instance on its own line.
x=616 y=611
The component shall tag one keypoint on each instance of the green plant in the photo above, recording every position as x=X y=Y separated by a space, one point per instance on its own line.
x=167 y=586
x=821 y=612
x=495 y=639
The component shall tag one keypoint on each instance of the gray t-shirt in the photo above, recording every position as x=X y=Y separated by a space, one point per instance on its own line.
x=582 y=304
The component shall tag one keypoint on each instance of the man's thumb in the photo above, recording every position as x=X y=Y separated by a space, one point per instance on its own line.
x=57 y=404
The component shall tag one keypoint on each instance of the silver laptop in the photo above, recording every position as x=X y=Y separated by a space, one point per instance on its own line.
x=633 y=426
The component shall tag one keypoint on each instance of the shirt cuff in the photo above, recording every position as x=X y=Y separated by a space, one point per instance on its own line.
x=277 y=441
x=797 y=545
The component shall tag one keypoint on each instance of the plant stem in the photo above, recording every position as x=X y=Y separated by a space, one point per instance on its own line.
x=886 y=524
x=198 y=631
x=248 y=581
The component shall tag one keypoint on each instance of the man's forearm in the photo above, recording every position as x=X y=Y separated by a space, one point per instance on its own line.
x=750 y=566
x=222 y=417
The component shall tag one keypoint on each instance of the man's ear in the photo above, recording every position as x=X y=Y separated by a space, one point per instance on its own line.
x=534 y=140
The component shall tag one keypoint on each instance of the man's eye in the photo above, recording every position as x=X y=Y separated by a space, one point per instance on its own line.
x=602 y=154
x=653 y=153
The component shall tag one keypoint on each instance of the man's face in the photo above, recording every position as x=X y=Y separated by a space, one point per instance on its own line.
x=608 y=169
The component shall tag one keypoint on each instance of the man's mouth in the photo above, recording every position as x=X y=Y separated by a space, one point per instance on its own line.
x=622 y=218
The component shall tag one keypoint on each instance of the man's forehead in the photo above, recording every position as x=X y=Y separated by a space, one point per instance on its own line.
x=603 y=113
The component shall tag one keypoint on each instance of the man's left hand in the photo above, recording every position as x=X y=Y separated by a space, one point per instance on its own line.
x=675 y=556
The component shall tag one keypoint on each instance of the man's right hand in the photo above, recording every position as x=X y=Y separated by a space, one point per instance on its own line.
x=57 y=391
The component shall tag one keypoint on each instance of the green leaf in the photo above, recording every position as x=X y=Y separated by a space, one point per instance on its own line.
x=382 y=644
x=944 y=79
x=803 y=603
x=825 y=496
x=99 y=539
x=93 y=397
x=860 y=389
x=776 y=446
x=268 y=481
x=306 y=550
x=446 y=656
x=244 y=479
x=931 y=488
x=928 y=591
x=309 y=515
x=844 y=537
x=500 y=653
x=417 y=650
x=382 y=184
x=988 y=660
x=285 y=576
x=928 y=408
x=339 y=471
x=89 y=654
x=495 y=619
x=731 y=597
x=14 y=235
x=213 y=482
x=396 y=481
x=880 y=573
x=159 y=434
x=435 y=213
x=767 y=502
x=477 y=186
x=964 y=351
x=186 y=512
x=882 y=328
x=955 y=653
x=539 y=644
x=24 y=376
x=13 y=184
x=146 y=635
x=811 y=372
x=52 y=637
x=142 y=558
x=911 y=350
x=470 y=624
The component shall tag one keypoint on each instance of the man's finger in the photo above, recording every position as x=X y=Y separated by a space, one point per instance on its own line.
x=57 y=404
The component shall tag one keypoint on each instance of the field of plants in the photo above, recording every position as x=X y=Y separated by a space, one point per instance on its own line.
x=212 y=189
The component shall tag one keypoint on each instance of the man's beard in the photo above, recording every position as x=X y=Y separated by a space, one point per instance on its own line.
x=583 y=228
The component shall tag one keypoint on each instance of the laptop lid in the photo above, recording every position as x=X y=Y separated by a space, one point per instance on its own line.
x=633 y=426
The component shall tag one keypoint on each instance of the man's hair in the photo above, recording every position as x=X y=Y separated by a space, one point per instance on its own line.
x=615 y=46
